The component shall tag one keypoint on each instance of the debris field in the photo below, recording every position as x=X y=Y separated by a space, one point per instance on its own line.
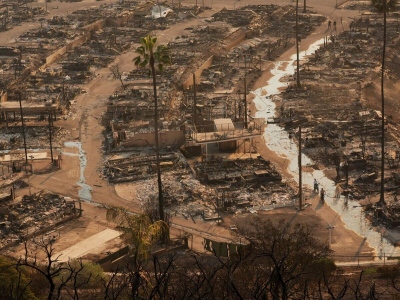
x=204 y=93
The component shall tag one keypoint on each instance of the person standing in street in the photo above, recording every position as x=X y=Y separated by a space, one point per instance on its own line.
x=316 y=188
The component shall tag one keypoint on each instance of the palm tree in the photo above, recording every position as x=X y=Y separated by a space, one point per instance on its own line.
x=141 y=234
x=138 y=231
x=151 y=55
x=383 y=6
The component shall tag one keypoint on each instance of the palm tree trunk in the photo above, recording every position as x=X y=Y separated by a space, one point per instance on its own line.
x=160 y=192
x=297 y=44
x=382 y=196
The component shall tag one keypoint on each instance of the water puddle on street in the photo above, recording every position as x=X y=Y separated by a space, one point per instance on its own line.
x=85 y=192
x=277 y=140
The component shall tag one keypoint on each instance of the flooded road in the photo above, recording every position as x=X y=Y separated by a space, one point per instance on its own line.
x=277 y=140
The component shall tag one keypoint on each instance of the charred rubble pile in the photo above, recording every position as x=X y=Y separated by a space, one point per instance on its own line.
x=13 y=13
x=244 y=183
x=183 y=193
x=237 y=172
x=36 y=137
x=141 y=166
x=32 y=215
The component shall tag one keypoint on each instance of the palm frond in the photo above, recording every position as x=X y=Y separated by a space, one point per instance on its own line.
x=148 y=51
x=137 y=230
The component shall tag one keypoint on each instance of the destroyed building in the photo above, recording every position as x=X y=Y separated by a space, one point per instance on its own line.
x=32 y=215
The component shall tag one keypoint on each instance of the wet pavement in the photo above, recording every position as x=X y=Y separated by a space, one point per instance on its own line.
x=85 y=192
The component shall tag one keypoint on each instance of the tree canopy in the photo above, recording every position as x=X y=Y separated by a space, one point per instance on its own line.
x=379 y=5
x=13 y=281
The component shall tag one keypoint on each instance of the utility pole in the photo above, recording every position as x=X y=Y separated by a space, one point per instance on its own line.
x=300 y=173
x=23 y=128
x=19 y=61
x=194 y=100
x=50 y=135
x=234 y=99
x=245 y=103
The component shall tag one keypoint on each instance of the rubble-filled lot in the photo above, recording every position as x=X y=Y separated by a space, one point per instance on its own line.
x=14 y=13
x=23 y=219
x=37 y=137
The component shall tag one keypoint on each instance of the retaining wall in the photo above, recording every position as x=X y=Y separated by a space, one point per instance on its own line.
x=235 y=38
x=205 y=65
x=100 y=24
x=166 y=138
x=69 y=47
